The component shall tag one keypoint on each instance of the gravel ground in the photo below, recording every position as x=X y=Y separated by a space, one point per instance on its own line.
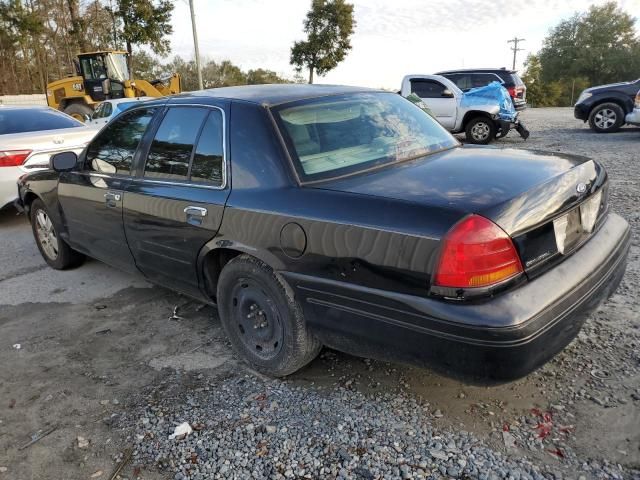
x=250 y=427
x=113 y=372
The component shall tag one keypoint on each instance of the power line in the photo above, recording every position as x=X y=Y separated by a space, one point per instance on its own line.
x=515 y=48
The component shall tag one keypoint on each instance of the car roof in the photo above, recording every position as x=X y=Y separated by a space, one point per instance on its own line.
x=271 y=94
x=479 y=70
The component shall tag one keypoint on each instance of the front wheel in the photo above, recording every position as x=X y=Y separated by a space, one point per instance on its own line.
x=606 y=118
x=262 y=319
x=480 y=130
x=53 y=249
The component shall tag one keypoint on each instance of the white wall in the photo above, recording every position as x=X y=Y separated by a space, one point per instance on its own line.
x=35 y=99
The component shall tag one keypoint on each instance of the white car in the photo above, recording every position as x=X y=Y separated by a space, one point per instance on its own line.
x=479 y=117
x=29 y=135
x=108 y=109
x=634 y=117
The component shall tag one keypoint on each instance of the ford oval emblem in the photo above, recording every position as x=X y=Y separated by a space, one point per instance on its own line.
x=581 y=188
x=58 y=140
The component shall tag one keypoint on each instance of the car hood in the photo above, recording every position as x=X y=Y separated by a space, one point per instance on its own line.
x=517 y=189
x=597 y=88
x=58 y=139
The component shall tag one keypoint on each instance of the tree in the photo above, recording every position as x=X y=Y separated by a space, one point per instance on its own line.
x=261 y=76
x=539 y=92
x=329 y=26
x=600 y=45
x=145 y=22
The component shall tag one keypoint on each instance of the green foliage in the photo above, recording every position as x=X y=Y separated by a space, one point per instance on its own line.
x=145 y=22
x=592 y=48
x=218 y=74
x=329 y=26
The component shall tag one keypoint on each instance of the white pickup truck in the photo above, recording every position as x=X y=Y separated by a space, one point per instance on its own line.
x=480 y=120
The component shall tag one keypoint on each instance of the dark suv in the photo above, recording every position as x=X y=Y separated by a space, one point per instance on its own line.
x=479 y=77
x=605 y=106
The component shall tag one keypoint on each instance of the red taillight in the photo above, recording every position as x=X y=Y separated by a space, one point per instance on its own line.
x=476 y=253
x=13 y=158
x=512 y=91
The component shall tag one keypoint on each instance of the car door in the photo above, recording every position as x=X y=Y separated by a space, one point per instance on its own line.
x=174 y=206
x=432 y=92
x=92 y=197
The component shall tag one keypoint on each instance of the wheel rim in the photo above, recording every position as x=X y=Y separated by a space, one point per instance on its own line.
x=256 y=319
x=46 y=235
x=605 y=118
x=480 y=131
x=78 y=116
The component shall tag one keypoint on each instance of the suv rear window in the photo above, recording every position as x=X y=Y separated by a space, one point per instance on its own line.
x=20 y=120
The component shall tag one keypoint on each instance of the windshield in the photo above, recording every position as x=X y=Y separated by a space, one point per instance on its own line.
x=117 y=67
x=341 y=135
x=18 y=120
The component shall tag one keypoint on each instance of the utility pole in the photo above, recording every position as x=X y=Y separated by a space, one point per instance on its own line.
x=195 y=44
x=515 y=48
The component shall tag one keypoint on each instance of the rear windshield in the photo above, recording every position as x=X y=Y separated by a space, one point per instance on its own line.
x=19 y=120
x=340 y=135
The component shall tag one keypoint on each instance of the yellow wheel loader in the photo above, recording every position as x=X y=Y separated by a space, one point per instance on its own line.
x=102 y=76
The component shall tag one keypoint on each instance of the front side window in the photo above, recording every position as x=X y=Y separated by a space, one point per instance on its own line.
x=170 y=152
x=113 y=149
x=427 y=88
x=103 y=111
x=347 y=134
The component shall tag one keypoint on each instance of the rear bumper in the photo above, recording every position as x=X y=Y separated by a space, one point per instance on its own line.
x=8 y=185
x=581 y=111
x=497 y=340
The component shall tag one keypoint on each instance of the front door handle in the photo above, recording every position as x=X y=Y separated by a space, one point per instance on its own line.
x=196 y=211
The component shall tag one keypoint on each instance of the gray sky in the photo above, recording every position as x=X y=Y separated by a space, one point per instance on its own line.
x=392 y=37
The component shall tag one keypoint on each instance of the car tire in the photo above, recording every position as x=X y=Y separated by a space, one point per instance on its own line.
x=480 y=130
x=79 y=111
x=53 y=248
x=262 y=319
x=606 y=118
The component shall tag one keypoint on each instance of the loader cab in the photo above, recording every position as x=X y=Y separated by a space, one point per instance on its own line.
x=104 y=74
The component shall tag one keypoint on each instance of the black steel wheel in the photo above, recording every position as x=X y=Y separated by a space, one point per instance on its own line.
x=262 y=319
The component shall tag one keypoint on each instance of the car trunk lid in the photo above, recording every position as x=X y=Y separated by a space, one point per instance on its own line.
x=521 y=191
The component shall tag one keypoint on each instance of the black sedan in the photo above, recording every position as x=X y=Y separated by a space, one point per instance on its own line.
x=340 y=216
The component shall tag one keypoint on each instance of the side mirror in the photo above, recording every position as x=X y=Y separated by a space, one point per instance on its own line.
x=446 y=93
x=106 y=86
x=64 y=161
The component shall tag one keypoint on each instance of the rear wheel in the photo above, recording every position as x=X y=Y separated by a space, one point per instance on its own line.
x=480 y=130
x=262 y=319
x=53 y=249
x=79 y=111
x=606 y=118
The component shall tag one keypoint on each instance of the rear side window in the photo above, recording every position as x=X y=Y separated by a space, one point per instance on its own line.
x=516 y=79
x=170 y=151
x=208 y=157
x=113 y=149
x=427 y=88
x=20 y=120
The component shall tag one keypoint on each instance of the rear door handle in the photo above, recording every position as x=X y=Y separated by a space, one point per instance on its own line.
x=111 y=199
x=112 y=196
x=196 y=211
